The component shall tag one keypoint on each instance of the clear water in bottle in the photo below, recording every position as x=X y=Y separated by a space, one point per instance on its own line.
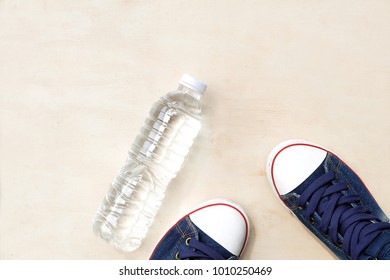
x=154 y=159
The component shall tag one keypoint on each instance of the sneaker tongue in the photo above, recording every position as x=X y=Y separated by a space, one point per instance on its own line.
x=380 y=247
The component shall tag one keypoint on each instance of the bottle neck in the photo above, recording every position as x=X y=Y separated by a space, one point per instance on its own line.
x=190 y=92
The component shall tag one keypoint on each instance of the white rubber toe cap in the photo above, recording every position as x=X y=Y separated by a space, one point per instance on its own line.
x=291 y=163
x=225 y=222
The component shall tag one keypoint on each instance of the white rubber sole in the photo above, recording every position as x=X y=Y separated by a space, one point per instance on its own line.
x=225 y=202
x=210 y=203
x=271 y=159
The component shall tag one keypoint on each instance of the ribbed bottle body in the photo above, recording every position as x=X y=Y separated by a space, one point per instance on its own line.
x=155 y=157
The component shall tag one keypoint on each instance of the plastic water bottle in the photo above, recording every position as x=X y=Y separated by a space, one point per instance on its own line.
x=154 y=159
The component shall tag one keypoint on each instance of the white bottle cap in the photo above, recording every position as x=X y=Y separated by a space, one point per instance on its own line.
x=192 y=83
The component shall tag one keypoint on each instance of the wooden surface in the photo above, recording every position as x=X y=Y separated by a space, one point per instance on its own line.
x=77 y=79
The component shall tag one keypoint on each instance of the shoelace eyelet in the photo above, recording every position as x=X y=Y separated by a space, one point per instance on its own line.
x=188 y=241
x=177 y=256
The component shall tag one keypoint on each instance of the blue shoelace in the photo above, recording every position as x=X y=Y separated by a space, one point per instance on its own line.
x=343 y=218
x=196 y=250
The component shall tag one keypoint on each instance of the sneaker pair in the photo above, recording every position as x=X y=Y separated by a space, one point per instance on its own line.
x=314 y=185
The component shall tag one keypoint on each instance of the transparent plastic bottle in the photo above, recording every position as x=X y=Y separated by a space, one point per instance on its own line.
x=154 y=159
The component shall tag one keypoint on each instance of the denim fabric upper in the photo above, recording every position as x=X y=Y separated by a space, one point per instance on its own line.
x=353 y=187
x=174 y=242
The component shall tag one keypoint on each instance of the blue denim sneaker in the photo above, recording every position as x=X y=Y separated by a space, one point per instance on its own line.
x=216 y=230
x=330 y=199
